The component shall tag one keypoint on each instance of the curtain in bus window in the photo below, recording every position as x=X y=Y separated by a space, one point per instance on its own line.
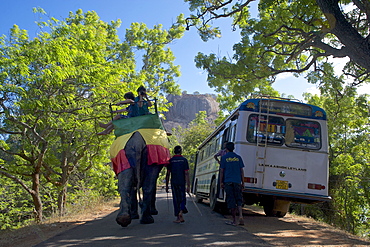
x=266 y=129
x=303 y=134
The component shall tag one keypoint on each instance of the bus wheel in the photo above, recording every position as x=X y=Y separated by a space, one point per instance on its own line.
x=268 y=207
x=213 y=203
x=269 y=210
x=212 y=196
x=280 y=214
x=197 y=197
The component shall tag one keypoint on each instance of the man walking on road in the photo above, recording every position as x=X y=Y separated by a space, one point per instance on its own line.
x=178 y=170
x=231 y=177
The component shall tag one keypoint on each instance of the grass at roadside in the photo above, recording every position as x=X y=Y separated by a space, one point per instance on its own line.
x=33 y=234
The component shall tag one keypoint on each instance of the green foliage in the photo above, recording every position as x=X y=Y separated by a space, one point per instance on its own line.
x=54 y=90
x=349 y=128
x=192 y=136
x=15 y=208
x=286 y=37
x=300 y=37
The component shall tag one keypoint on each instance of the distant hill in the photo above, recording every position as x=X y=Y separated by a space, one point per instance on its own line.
x=185 y=107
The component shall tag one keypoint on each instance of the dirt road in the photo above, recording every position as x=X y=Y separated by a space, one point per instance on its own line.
x=208 y=229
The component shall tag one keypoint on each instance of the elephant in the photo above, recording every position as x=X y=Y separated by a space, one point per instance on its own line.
x=138 y=154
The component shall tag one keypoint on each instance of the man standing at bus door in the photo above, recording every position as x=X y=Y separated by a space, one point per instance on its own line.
x=220 y=153
x=217 y=157
x=232 y=176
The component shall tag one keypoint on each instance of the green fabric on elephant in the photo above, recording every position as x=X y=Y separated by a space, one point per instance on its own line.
x=128 y=125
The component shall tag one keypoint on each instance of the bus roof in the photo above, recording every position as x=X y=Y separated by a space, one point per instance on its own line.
x=283 y=107
x=279 y=106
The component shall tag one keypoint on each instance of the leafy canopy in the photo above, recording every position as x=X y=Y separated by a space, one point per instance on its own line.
x=286 y=37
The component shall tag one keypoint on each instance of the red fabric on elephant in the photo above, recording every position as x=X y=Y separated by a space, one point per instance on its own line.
x=120 y=162
x=158 y=155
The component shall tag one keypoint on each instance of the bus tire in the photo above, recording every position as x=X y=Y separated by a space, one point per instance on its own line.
x=197 y=197
x=216 y=206
x=268 y=207
x=280 y=214
x=213 y=196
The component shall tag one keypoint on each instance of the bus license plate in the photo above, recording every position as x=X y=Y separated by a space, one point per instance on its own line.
x=280 y=184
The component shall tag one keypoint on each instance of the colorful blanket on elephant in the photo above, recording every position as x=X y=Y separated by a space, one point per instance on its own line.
x=153 y=133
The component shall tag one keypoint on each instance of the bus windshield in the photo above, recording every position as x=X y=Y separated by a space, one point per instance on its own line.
x=290 y=132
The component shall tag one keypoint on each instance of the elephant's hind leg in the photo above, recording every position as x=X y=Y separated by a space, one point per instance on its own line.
x=149 y=186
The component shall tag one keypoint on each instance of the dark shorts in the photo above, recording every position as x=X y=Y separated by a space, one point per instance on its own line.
x=234 y=196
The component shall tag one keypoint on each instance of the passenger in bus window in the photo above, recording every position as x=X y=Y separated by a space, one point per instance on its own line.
x=178 y=170
x=231 y=177
x=220 y=153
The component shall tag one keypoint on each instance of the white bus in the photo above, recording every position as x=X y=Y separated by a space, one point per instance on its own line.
x=284 y=146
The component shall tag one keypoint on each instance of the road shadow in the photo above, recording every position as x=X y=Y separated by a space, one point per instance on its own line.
x=202 y=228
x=296 y=230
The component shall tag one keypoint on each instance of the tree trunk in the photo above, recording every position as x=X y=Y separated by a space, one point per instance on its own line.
x=62 y=200
x=36 y=197
x=357 y=47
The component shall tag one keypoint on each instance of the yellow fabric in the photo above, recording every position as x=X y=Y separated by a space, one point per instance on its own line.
x=151 y=137
x=119 y=144
x=155 y=137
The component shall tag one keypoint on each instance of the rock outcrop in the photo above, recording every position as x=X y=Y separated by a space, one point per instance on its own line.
x=185 y=107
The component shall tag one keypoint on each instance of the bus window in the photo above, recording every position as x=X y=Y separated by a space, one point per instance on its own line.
x=206 y=153
x=260 y=128
x=201 y=155
x=213 y=146
x=226 y=135
x=303 y=134
x=219 y=144
x=232 y=133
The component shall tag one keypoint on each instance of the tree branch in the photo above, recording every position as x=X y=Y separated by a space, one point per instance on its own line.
x=15 y=179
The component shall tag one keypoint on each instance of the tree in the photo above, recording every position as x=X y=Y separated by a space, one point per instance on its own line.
x=286 y=37
x=192 y=136
x=349 y=128
x=55 y=87
x=303 y=37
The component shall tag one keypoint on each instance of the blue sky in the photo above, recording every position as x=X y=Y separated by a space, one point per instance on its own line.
x=150 y=12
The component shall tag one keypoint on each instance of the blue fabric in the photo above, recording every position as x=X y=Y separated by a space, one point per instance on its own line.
x=139 y=111
x=130 y=111
x=177 y=166
x=234 y=196
x=231 y=163
x=179 y=199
